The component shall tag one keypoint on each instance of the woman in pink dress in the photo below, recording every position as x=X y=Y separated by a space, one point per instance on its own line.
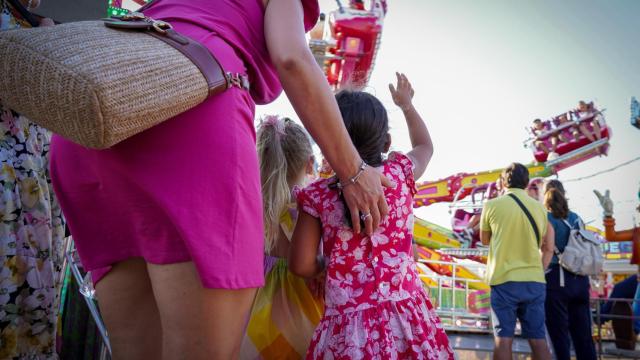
x=169 y=222
x=375 y=304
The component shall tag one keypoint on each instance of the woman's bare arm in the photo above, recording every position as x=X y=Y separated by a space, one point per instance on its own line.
x=422 y=146
x=313 y=101
x=548 y=246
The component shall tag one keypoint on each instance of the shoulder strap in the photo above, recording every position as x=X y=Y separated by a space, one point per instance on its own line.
x=578 y=221
x=526 y=212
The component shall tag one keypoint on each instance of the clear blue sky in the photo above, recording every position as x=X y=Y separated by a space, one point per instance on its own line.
x=483 y=70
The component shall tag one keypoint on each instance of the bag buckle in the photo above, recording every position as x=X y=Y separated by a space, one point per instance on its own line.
x=160 y=26
x=238 y=80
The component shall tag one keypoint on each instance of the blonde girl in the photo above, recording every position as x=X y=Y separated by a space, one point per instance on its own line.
x=287 y=308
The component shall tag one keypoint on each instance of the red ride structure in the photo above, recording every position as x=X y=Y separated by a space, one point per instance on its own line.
x=578 y=134
x=348 y=50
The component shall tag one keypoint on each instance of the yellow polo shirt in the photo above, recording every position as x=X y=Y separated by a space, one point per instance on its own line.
x=514 y=253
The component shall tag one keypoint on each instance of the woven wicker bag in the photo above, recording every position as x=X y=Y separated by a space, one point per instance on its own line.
x=96 y=85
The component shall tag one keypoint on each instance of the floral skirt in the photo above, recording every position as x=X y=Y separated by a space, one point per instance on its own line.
x=31 y=242
x=406 y=329
x=284 y=316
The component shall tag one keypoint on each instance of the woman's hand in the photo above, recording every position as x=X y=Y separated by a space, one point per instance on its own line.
x=402 y=94
x=366 y=197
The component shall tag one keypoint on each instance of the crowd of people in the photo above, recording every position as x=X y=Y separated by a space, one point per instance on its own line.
x=527 y=231
x=204 y=254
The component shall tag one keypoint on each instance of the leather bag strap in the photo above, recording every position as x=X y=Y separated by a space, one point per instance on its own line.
x=528 y=214
x=217 y=79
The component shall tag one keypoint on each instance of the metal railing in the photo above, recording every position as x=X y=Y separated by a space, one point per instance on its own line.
x=454 y=317
x=599 y=319
x=72 y=260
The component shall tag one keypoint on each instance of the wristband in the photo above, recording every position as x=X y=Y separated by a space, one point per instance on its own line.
x=354 y=178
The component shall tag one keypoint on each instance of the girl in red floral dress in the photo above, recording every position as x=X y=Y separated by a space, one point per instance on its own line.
x=375 y=305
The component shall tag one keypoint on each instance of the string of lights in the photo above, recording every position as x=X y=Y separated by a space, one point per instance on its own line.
x=603 y=171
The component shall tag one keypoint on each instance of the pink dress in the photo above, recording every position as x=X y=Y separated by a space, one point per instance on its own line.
x=375 y=304
x=189 y=188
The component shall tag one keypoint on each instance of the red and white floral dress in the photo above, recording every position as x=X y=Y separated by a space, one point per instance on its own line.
x=375 y=305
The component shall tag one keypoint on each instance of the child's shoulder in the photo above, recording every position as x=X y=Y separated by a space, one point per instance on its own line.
x=320 y=184
x=397 y=161
x=313 y=195
x=315 y=189
x=399 y=168
x=399 y=158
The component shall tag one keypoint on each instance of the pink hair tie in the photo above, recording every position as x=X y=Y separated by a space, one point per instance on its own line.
x=277 y=123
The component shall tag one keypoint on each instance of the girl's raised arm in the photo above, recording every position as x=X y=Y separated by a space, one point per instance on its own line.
x=421 y=142
x=313 y=101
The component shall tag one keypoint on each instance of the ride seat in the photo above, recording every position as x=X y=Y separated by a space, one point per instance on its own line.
x=460 y=220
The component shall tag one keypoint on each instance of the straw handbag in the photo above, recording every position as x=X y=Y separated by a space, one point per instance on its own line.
x=97 y=83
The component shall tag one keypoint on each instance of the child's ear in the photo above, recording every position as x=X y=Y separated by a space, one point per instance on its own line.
x=387 y=143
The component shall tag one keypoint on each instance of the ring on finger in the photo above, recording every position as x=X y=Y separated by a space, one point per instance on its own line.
x=364 y=217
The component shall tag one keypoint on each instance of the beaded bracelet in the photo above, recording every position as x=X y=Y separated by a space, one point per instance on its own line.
x=354 y=178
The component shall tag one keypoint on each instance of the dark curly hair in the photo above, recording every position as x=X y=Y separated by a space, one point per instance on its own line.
x=367 y=123
x=516 y=176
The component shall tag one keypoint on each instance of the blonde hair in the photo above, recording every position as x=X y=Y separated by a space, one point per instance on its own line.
x=284 y=150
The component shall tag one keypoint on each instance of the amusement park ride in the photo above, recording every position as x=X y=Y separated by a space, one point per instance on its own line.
x=347 y=51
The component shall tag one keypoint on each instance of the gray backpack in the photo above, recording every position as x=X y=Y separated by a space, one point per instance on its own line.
x=583 y=254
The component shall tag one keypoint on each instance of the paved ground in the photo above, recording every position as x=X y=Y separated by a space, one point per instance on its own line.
x=479 y=347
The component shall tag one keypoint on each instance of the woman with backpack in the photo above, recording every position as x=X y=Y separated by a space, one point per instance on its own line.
x=567 y=303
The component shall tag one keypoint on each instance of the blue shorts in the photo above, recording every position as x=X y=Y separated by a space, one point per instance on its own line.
x=521 y=300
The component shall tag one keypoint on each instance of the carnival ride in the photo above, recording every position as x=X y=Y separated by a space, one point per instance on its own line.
x=347 y=50
x=453 y=258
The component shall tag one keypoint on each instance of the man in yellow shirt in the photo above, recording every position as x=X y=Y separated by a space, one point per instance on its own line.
x=521 y=244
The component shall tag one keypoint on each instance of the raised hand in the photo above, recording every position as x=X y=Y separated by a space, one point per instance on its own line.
x=402 y=93
x=605 y=202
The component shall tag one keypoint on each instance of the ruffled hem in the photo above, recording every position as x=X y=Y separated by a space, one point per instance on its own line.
x=406 y=329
